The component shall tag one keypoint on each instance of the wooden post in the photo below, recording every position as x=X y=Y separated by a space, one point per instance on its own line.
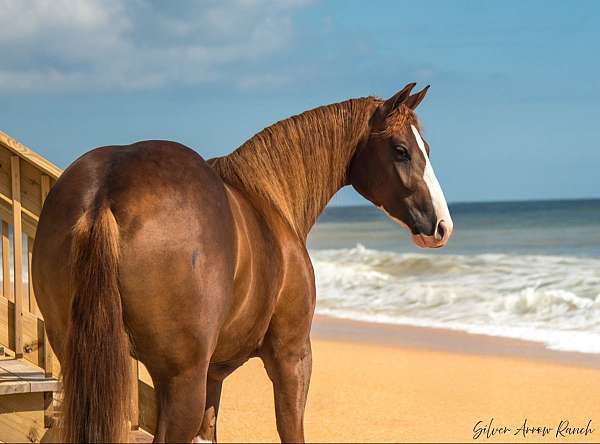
x=48 y=409
x=48 y=355
x=134 y=408
x=45 y=185
x=18 y=253
x=6 y=288
x=33 y=308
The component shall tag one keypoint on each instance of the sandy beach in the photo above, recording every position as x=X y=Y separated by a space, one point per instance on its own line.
x=382 y=383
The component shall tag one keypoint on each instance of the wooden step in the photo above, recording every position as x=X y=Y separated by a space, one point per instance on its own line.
x=26 y=401
x=140 y=436
x=21 y=376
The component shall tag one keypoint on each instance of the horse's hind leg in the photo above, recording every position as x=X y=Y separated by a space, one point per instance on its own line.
x=208 y=429
x=181 y=398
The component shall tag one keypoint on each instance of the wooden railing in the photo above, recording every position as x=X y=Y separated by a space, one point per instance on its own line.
x=25 y=180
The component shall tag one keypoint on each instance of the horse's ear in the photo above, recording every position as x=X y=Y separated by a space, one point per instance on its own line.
x=397 y=99
x=413 y=101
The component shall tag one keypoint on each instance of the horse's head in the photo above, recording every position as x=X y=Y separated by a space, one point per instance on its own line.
x=391 y=168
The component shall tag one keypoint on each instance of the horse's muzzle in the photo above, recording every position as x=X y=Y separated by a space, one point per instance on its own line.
x=440 y=237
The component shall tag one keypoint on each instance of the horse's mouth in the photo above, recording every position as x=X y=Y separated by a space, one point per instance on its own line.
x=422 y=241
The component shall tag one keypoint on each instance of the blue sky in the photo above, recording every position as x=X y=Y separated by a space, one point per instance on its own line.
x=513 y=111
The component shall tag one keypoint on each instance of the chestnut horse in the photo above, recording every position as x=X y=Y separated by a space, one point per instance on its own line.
x=195 y=266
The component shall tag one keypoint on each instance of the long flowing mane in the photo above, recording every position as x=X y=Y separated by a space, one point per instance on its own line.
x=297 y=164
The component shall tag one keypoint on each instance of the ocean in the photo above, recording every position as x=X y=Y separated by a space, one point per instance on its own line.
x=527 y=270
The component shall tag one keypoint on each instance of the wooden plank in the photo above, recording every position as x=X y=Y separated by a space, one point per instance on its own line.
x=18 y=253
x=10 y=387
x=33 y=333
x=140 y=436
x=33 y=308
x=45 y=187
x=134 y=409
x=31 y=156
x=146 y=399
x=48 y=353
x=55 y=365
x=48 y=357
x=29 y=226
x=6 y=287
x=22 y=417
x=10 y=383
x=148 y=410
x=31 y=189
x=6 y=331
x=144 y=374
x=5 y=178
x=24 y=210
x=19 y=367
x=24 y=371
x=49 y=410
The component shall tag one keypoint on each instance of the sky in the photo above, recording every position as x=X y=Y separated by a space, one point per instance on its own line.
x=513 y=112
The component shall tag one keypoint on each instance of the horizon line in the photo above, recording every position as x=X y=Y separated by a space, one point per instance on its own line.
x=462 y=202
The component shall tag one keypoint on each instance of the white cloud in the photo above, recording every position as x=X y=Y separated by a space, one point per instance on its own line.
x=61 y=45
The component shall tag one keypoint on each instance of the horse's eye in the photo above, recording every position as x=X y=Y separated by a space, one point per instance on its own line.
x=401 y=153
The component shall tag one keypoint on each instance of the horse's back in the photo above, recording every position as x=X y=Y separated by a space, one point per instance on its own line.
x=176 y=241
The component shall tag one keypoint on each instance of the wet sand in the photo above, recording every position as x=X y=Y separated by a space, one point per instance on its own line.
x=381 y=383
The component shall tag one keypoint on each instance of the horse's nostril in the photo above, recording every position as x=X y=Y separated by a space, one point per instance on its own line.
x=440 y=231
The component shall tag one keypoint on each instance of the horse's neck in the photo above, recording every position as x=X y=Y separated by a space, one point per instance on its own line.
x=298 y=164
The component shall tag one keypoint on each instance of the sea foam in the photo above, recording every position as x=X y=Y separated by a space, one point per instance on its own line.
x=551 y=299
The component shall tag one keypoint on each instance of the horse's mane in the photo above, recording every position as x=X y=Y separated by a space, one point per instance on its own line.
x=297 y=164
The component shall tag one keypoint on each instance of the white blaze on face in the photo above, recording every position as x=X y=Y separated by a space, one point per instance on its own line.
x=435 y=190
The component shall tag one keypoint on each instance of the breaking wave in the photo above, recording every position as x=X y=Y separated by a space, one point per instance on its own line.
x=550 y=299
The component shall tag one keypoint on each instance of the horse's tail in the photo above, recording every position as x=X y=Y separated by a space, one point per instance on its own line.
x=96 y=367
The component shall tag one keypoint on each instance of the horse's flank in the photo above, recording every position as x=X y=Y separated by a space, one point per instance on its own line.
x=299 y=163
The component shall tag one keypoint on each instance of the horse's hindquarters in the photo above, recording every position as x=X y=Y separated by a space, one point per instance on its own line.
x=173 y=277
x=176 y=244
